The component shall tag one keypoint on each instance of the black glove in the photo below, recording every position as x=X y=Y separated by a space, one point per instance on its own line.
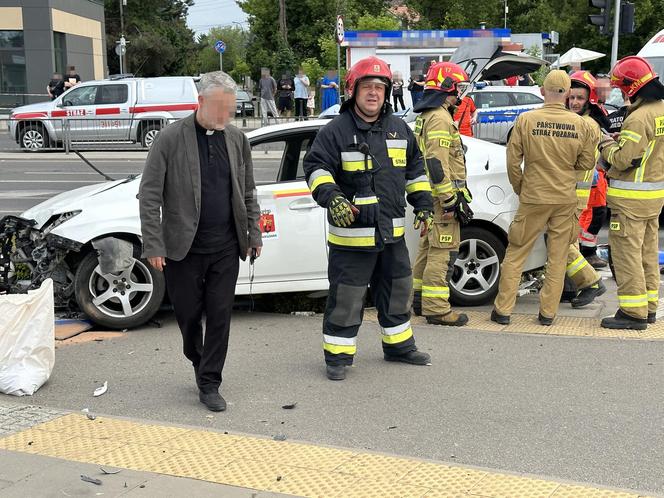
x=341 y=211
x=423 y=217
x=365 y=199
x=462 y=211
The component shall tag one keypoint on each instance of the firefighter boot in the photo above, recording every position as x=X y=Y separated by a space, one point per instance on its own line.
x=452 y=319
x=652 y=317
x=336 y=372
x=498 y=318
x=412 y=357
x=624 y=321
x=596 y=262
x=587 y=295
x=545 y=320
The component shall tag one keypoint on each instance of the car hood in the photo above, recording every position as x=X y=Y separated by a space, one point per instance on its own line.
x=39 y=106
x=72 y=200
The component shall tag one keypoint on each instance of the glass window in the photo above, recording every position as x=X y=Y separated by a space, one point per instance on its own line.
x=487 y=100
x=60 y=52
x=112 y=94
x=81 y=96
x=12 y=64
x=527 y=99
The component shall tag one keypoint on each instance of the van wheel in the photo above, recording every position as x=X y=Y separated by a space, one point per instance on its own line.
x=118 y=301
x=33 y=138
x=150 y=132
x=477 y=268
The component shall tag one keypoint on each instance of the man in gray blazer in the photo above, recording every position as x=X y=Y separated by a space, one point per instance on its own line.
x=199 y=215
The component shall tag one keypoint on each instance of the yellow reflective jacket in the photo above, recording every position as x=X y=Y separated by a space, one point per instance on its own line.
x=553 y=143
x=636 y=177
x=440 y=143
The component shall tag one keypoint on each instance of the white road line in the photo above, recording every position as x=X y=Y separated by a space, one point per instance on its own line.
x=51 y=181
x=121 y=173
x=35 y=194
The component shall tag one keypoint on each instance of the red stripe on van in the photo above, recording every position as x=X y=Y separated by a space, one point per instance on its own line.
x=59 y=114
x=107 y=110
x=28 y=115
x=165 y=107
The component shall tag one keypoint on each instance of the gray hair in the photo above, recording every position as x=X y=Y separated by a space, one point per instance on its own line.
x=217 y=79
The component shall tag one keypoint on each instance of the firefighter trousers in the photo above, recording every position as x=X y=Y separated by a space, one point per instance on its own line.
x=635 y=255
x=350 y=272
x=578 y=270
x=433 y=268
x=530 y=221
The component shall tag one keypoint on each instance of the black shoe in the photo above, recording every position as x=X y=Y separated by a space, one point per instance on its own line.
x=336 y=372
x=451 y=319
x=213 y=401
x=567 y=296
x=544 y=320
x=498 y=318
x=596 y=262
x=652 y=317
x=587 y=295
x=417 y=311
x=412 y=357
x=624 y=321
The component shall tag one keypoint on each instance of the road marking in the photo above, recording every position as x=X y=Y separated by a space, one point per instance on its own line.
x=50 y=181
x=121 y=173
x=35 y=194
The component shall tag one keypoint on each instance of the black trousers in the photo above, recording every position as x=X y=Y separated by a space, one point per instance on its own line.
x=391 y=279
x=398 y=98
x=204 y=284
x=301 y=108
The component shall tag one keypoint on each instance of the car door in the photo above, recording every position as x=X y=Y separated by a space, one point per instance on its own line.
x=78 y=107
x=111 y=112
x=294 y=255
x=495 y=115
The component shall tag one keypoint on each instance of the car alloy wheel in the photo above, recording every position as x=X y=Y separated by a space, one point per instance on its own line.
x=33 y=140
x=121 y=295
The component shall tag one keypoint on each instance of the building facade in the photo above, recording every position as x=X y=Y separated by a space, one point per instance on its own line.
x=40 y=37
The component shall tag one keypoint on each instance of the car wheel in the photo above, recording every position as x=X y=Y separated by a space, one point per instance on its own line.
x=33 y=138
x=477 y=268
x=118 y=300
x=150 y=132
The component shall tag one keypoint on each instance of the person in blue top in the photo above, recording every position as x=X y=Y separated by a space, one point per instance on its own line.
x=330 y=87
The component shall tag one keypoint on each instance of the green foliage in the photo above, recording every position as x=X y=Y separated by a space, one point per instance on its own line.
x=369 y=22
x=313 y=70
x=207 y=58
x=539 y=75
x=160 y=43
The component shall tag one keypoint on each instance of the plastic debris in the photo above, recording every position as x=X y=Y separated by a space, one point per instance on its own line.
x=90 y=480
x=289 y=407
x=279 y=437
x=101 y=390
x=90 y=416
x=303 y=313
x=110 y=472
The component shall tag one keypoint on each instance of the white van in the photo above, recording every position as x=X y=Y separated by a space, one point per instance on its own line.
x=654 y=52
x=124 y=110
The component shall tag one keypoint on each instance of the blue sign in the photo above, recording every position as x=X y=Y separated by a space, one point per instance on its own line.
x=220 y=47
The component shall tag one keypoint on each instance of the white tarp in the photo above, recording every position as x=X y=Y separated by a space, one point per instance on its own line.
x=27 y=340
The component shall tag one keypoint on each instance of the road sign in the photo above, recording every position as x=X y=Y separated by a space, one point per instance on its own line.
x=120 y=49
x=339 y=30
x=220 y=47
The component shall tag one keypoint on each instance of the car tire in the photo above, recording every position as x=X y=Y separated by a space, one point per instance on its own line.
x=148 y=134
x=96 y=298
x=33 y=138
x=477 y=268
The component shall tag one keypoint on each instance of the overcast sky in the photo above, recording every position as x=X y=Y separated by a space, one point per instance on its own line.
x=206 y=14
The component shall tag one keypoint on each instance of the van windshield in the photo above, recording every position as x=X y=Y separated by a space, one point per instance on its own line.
x=658 y=64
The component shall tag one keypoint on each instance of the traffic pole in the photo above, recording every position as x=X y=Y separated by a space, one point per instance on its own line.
x=616 y=33
x=339 y=73
x=221 y=61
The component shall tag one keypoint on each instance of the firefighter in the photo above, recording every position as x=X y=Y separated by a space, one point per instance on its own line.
x=440 y=143
x=553 y=143
x=360 y=167
x=636 y=194
x=584 y=102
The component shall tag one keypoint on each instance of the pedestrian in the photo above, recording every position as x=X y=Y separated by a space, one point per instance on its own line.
x=525 y=80
x=553 y=144
x=359 y=168
x=199 y=216
x=581 y=279
x=301 y=94
x=56 y=86
x=267 y=88
x=440 y=143
x=465 y=116
x=311 y=102
x=636 y=194
x=330 y=87
x=397 y=91
x=285 y=89
x=416 y=87
x=72 y=79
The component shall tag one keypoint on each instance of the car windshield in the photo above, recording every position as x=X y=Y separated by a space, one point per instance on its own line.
x=242 y=95
x=657 y=64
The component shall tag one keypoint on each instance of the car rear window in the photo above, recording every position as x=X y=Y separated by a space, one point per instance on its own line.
x=488 y=100
x=527 y=99
x=112 y=94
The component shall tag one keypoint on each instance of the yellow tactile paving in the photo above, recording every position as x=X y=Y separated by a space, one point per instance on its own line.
x=528 y=324
x=275 y=466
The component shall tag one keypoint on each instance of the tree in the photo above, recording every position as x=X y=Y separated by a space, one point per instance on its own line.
x=368 y=22
x=160 y=43
x=207 y=58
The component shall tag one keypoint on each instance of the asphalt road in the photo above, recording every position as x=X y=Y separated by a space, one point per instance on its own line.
x=28 y=179
x=571 y=408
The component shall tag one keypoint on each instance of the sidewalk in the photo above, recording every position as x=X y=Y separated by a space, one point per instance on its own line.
x=47 y=459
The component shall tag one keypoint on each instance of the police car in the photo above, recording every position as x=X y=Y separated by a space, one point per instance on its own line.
x=294 y=229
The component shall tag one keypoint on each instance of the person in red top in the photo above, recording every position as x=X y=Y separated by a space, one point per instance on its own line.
x=465 y=116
